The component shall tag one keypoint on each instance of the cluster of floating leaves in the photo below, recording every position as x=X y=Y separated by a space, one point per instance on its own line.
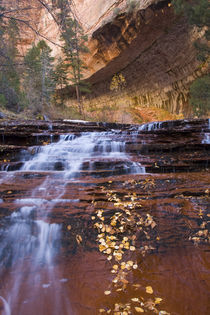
x=202 y=235
x=146 y=184
x=117 y=240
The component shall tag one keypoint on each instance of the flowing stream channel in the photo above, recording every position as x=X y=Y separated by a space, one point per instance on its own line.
x=50 y=262
x=29 y=242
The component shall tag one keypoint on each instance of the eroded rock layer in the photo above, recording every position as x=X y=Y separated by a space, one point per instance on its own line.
x=130 y=203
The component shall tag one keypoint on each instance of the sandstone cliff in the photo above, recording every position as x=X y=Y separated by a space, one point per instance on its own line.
x=150 y=46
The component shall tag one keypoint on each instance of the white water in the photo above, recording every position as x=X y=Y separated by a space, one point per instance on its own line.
x=206 y=137
x=29 y=243
x=71 y=152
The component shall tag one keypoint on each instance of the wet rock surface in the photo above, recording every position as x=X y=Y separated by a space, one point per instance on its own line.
x=146 y=188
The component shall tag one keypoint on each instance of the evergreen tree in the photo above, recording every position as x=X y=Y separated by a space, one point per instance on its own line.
x=197 y=13
x=39 y=75
x=60 y=74
x=74 y=43
x=10 y=93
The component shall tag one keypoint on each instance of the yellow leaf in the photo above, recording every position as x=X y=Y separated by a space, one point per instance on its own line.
x=118 y=256
x=158 y=300
x=149 y=290
x=108 y=251
x=115 y=267
x=69 y=227
x=113 y=223
x=139 y=310
x=78 y=238
x=120 y=289
x=135 y=299
x=126 y=245
x=102 y=248
x=107 y=292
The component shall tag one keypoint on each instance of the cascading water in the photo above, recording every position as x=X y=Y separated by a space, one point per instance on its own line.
x=206 y=137
x=29 y=243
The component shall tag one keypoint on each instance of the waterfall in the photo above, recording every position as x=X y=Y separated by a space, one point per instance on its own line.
x=29 y=242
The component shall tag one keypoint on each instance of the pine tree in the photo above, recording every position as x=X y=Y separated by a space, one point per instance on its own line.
x=60 y=74
x=39 y=75
x=197 y=13
x=9 y=77
x=74 y=43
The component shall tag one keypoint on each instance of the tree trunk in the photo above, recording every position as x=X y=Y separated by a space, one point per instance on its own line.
x=78 y=99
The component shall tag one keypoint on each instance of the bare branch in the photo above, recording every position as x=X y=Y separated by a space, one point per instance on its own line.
x=33 y=29
x=49 y=10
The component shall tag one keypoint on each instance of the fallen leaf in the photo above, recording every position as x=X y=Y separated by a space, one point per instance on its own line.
x=108 y=251
x=115 y=267
x=135 y=299
x=78 y=238
x=149 y=290
x=102 y=248
x=139 y=310
x=158 y=300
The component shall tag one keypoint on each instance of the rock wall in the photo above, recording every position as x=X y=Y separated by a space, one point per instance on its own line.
x=150 y=46
x=154 y=51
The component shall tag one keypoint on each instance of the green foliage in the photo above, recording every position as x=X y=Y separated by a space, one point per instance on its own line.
x=3 y=100
x=74 y=44
x=39 y=80
x=9 y=70
x=203 y=51
x=200 y=95
x=197 y=12
x=60 y=74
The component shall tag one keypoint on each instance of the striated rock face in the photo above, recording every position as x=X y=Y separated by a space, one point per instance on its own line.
x=154 y=51
x=69 y=187
x=150 y=46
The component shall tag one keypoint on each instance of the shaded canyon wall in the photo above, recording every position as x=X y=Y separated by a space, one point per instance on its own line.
x=150 y=46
